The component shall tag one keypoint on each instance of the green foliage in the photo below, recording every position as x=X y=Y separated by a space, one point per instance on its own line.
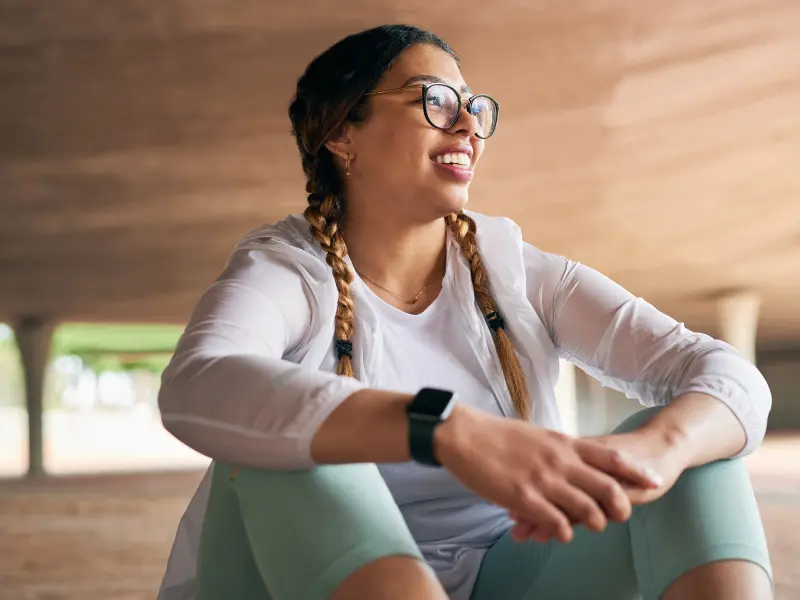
x=101 y=347
x=127 y=347
x=82 y=338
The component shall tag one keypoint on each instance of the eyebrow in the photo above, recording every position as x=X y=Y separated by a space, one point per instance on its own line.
x=465 y=89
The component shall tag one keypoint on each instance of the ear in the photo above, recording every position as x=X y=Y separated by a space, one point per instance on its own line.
x=340 y=143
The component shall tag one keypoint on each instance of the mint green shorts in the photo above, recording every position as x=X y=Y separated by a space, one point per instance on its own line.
x=298 y=535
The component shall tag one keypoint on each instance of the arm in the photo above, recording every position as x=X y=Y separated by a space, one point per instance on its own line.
x=630 y=346
x=700 y=428
x=228 y=393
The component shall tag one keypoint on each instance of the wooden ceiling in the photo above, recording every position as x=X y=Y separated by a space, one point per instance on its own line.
x=656 y=141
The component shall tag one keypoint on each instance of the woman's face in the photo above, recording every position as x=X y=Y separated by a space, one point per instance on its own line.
x=401 y=164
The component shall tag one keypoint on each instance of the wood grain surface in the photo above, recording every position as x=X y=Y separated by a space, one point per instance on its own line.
x=657 y=142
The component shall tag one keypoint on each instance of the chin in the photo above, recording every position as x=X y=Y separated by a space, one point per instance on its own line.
x=450 y=201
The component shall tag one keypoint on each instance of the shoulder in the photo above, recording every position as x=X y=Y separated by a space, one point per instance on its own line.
x=291 y=233
x=276 y=267
x=278 y=253
x=540 y=265
x=543 y=264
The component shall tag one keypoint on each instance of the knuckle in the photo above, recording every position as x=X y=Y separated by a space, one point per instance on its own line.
x=557 y=520
x=589 y=510
x=549 y=482
x=623 y=505
x=520 y=490
x=617 y=459
x=611 y=490
x=539 y=478
x=619 y=505
x=555 y=460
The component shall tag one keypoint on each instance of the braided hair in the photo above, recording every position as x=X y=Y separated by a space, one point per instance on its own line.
x=330 y=93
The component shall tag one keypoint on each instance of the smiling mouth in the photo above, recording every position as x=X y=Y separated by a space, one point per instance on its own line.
x=454 y=168
x=459 y=160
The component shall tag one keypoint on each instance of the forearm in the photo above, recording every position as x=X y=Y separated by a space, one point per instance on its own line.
x=370 y=426
x=700 y=428
x=249 y=410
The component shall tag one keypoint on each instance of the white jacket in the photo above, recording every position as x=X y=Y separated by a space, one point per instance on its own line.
x=251 y=380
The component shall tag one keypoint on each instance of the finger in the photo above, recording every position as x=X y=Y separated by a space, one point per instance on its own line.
x=537 y=510
x=521 y=532
x=617 y=463
x=579 y=506
x=524 y=532
x=605 y=490
x=541 y=536
x=637 y=495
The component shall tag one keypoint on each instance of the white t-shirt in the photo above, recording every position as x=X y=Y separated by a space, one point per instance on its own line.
x=452 y=526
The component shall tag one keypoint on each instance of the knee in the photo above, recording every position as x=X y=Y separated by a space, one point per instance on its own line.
x=309 y=531
x=320 y=481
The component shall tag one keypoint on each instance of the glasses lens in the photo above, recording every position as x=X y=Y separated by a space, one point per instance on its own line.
x=485 y=111
x=441 y=105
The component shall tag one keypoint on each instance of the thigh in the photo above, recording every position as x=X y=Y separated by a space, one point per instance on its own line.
x=225 y=564
x=307 y=531
x=710 y=514
x=593 y=565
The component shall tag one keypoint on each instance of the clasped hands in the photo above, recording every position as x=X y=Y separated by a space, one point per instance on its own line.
x=550 y=482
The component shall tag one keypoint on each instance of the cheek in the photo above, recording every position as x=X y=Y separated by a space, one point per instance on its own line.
x=478 y=150
x=403 y=152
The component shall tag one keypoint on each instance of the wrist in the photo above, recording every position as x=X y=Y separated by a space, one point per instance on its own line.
x=450 y=436
x=668 y=440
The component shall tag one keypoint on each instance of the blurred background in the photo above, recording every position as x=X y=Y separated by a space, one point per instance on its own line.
x=657 y=142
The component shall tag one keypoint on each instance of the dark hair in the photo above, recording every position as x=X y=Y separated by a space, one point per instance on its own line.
x=330 y=93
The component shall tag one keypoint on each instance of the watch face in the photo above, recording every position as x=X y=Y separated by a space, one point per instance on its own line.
x=432 y=402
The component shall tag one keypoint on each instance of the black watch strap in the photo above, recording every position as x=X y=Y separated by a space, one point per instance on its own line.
x=428 y=409
x=420 y=440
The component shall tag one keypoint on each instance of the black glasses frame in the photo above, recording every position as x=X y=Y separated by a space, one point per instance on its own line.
x=463 y=102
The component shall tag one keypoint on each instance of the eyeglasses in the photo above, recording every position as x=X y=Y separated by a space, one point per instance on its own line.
x=442 y=104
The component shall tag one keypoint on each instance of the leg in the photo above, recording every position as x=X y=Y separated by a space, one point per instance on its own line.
x=596 y=566
x=707 y=523
x=711 y=542
x=331 y=532
x=723 y=580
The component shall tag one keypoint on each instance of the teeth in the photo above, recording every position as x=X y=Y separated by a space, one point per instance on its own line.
x=454 y=158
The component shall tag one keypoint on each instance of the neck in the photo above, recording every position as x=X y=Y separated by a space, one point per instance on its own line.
x=403 y=257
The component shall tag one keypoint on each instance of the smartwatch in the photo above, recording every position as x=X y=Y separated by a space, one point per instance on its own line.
x=428 y=409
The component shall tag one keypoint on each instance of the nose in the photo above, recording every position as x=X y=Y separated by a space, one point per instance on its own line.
x=467 y=123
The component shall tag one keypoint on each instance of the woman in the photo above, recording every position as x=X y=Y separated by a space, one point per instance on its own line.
x=307 y=368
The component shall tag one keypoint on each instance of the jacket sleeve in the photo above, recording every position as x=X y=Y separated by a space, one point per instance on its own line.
x=228 y=392
x=628 y=345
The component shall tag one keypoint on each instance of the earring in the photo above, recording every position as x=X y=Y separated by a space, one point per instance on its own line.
x=347 y=165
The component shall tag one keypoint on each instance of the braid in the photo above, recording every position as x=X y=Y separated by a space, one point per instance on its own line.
x=322 y=213
x=329 y=94
x=463 y=229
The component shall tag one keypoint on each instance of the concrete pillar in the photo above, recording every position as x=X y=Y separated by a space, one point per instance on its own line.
x=566 y=397
x=33 y=339
x=738 y=313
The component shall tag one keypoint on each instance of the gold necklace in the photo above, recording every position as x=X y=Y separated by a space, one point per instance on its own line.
x=375 y=283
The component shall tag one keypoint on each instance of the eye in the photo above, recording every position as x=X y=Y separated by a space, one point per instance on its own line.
x=435 y=100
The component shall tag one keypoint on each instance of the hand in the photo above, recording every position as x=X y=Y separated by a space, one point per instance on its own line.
x=550 y=480
x=648 y=448
x=651 y=449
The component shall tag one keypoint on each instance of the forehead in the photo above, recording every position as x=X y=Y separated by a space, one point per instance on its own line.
x=424 y=59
